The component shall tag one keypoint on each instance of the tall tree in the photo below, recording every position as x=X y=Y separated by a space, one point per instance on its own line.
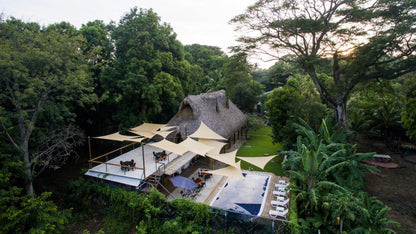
x=241 y=88
x=297 y=99
x=366 y=40
x=99 y=52
x=409 y=111
x=211 y=60
x=146 y=51
x=43 y=77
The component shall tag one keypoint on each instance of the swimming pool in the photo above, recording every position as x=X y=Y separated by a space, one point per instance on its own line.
x=243 y=196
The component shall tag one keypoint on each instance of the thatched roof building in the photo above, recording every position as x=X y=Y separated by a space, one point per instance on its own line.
x=215 y=110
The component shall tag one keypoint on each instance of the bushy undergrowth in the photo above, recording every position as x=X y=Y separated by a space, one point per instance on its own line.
x=150 y=213
x=21 y=213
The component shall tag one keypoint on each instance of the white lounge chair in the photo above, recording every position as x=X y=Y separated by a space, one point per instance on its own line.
x=283 y=182
x=280 y=208
x=281 y=189
x=280 y=186
x=280 y=198
x=280 y=203
x=279 y=193
x=275 y=213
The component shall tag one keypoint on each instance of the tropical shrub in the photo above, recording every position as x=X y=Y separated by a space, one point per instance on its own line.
x=21 y=213
x=327 y=180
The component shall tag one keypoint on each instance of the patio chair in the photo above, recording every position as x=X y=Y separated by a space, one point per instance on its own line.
x=122 y=168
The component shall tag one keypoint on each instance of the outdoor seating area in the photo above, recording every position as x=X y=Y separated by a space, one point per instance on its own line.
x=127 y=165
x=280 y=205
x=159 y=155
x=204 y=174
x=191 y=187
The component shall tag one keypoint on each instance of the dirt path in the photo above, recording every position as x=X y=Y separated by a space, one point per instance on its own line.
x=395 y=187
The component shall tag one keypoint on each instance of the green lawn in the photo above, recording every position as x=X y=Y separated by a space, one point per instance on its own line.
x=260 y=143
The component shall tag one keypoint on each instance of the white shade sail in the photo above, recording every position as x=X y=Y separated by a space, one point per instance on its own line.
x=118 y=137
x=170 y=146
x=258 y=161
x=216 y=145
x=145 y=134
x=138 y=139
x=227 y=158
x=147 y=129
x=206 y=133
x=167 y=128
x=230 y=171
x=195 y=146
x=163 y=134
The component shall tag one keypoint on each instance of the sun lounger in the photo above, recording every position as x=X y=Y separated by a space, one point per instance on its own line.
x=278 y=203
x=279 y=193
x=275 y=213
x=280 y=198
x=280 y=208
x=281 y=189
x=281 y=185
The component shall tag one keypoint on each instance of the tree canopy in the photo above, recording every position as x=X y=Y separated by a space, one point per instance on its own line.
x=44 y=77
x=365 y=40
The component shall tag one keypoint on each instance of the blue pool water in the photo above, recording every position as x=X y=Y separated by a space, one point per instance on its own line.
x=243 y=196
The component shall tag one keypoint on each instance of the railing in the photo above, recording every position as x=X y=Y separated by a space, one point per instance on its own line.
x=113 y=151
x=245 y=223
x=164 y=169
x=114 y=164
x=163 y=158
x=94 y=160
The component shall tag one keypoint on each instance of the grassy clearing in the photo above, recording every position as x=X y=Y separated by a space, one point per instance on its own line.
x=259 y=143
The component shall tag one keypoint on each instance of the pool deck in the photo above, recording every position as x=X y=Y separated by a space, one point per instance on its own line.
x=214 y=185
x=271 y=186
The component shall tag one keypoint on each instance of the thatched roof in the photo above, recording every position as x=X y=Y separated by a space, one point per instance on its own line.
x=214 y=109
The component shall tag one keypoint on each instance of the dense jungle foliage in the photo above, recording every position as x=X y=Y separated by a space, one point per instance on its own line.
x=60 y=83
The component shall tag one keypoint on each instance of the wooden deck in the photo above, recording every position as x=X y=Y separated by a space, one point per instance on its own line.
x=271 y=187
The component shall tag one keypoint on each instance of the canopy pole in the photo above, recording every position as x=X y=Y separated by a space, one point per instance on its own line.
x=144 y=164
x=89 y=150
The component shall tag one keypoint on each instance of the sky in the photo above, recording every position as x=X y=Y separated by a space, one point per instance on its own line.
x=203 y=22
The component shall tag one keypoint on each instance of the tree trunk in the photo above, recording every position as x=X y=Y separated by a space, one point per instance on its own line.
x=339 y=104
x=27 y=173
x=143 y=108
x=340 y=114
